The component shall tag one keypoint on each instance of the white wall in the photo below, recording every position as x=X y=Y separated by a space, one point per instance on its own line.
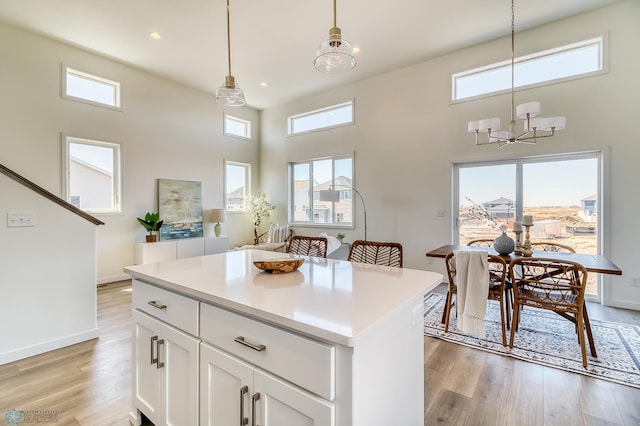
x=167 y=130
x=407 y=134
x=47 y=276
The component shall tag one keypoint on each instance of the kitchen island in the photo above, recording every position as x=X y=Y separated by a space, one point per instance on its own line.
x=216 y=341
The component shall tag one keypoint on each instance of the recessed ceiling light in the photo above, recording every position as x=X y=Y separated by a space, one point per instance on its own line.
x=264 y=84
x=154 y=35
x=356 y=50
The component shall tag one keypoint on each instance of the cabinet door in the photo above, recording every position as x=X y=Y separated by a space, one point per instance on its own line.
x=165 y=372
x=146 y=384
x=225 y=388
x=283 y=404
x=179 y=376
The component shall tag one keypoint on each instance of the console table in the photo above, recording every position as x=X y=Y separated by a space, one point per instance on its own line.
x=166 y=250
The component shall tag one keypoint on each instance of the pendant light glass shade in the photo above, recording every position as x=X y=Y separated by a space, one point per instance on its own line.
x=335 y=54
x=230 y=94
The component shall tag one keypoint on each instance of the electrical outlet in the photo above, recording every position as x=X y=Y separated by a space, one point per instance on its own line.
x=417 y=314
x=635 y=282
x=440 y=212
x=430 y=260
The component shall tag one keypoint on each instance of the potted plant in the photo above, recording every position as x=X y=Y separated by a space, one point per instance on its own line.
x=151 y=223
x=259 y=207
x=340 y=236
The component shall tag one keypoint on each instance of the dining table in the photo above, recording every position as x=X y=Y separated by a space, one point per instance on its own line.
x=592 y=262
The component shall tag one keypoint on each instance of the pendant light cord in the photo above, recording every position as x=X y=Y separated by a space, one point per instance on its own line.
x=513 y=43
x=334 y=14
x=228 y=39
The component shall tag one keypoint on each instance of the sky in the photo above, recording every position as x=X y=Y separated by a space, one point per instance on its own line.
x=557 y=183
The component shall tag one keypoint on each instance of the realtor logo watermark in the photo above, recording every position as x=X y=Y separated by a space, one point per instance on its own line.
x=15 y=417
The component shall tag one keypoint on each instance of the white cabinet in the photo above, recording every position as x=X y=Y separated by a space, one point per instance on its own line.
x=235 y=392
x=163 y=251
x=165 y=362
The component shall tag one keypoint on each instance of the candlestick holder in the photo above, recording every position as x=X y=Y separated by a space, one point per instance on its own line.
x=526 y=247
x=518 y=248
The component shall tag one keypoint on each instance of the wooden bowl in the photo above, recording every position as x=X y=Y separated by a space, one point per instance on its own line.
x=279 y=266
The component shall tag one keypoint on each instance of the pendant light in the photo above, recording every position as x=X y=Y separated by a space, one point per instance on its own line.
x=335 y=54
x=229 y=94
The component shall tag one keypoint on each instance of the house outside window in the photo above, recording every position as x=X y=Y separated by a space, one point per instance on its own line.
x=308 y=178
x=237 y=177
x=92 y=180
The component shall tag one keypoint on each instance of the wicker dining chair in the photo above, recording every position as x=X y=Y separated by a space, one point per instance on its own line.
x=481 y=242
x=498 y=270
x=508 y=292
x=551 y=246
x=554 y=285
x=308 y=246
x=377 y=253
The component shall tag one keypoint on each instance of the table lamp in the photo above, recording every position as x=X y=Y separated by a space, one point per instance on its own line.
x=216 y=216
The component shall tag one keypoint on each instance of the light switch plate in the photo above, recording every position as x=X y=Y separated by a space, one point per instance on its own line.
x=20 y=219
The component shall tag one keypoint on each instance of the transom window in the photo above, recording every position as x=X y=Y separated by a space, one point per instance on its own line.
x=562 y=63
x=237 y=177
x=79 y=85
x=92 y=175
x=234 y=126
x=308 y=178
x=325 y=118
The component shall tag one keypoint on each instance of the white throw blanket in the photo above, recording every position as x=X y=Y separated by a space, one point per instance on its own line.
x=472 y=280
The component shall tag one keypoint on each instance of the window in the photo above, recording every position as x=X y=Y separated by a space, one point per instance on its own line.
x=560 y=192
x=90 y=88
x=571 y=61
x=308 y=178
x=234 y=126
x=237 y=177
x=92 y=175
x=333 y=116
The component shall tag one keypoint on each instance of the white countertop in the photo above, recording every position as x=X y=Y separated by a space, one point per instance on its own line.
x=330 y=299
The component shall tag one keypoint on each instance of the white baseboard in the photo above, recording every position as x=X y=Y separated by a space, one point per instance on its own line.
x=113 y=279
x=40 y=348
x=625 y=304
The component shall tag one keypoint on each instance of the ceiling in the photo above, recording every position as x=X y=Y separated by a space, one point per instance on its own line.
x=274 y=41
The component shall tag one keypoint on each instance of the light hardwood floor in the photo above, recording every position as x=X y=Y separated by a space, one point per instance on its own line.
x=89 y=383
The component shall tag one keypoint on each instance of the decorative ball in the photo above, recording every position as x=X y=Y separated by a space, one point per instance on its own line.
x=504 y=244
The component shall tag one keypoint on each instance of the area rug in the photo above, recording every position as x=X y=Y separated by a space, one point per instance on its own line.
x=547 y=339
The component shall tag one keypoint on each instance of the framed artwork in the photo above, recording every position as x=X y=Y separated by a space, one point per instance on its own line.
x=180 y=206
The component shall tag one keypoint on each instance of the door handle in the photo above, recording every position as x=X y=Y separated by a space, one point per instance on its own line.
x=154 y=339
x=254 y=399
x=159 y=364
x=243 y=420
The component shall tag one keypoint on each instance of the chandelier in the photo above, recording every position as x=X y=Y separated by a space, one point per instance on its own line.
x=534 y=127
x=335 y=54
x=229 y=94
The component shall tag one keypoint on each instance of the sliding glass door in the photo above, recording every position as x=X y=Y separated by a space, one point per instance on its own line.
x=562 y=193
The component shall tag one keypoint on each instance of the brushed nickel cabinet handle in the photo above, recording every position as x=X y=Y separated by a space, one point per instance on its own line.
x=243 y=420
x=259 y=348
x=154 y=339
x=159 y=364
x=255 y=398
x=157 y=305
